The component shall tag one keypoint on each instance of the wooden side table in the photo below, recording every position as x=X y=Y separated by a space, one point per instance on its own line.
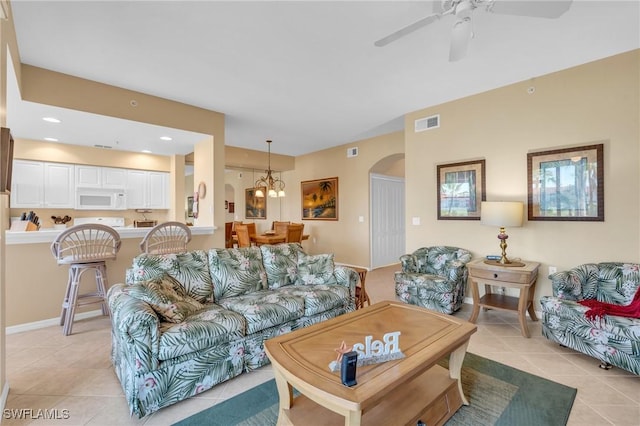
x=361 y=292
x=523 y=278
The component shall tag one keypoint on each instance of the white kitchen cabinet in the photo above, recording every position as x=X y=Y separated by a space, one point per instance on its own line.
x=100 y=177
x=114 y=178
x=59 y=191
x=27 y=186
x=37 y=184
x=147 y=189
x=88 y=176
x=157 y=183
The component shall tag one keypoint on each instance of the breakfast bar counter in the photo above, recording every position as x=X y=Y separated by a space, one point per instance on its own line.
x=47 y=235
x=35 y=284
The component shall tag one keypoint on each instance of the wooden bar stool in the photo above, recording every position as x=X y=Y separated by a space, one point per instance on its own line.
x=84 y=247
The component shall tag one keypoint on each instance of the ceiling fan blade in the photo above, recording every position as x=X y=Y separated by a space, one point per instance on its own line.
x=407 y=30
x=442 y=6
x=460 y=36
x=535 y=8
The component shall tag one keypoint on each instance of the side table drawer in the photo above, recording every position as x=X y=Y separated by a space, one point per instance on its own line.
x=519 y=277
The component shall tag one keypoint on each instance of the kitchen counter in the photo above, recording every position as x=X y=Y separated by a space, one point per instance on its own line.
x=47 y=235
x=35 y=284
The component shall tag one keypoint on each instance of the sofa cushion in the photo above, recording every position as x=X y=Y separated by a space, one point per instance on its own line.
x=166 y=298
x=617 y=282
x=211 y=326
x=265 y=308
x=315 y=269
x=236 y=271
x=281 y=263
x=190 y=269
x=318 y=298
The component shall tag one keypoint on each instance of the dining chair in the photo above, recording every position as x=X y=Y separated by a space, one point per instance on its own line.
x=166 y=237
x=228 y=234
x=280 y=228
x=252 y=228
x=85 y=247
x=244 y=238
x=294 y=233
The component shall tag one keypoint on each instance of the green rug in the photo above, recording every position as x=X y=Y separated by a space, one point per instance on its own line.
x=497 y=395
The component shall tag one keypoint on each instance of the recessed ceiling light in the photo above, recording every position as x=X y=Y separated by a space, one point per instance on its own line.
x=166 y=138
x=51 y=119
x=51 y=139
x=146 y=151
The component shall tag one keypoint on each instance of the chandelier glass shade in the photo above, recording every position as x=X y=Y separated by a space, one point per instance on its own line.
x=273 y=185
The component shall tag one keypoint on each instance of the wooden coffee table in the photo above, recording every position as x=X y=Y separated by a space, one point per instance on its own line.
x=386 y=393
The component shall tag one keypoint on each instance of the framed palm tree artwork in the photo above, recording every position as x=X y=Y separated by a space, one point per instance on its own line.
x=461 y=189
x=320 y=199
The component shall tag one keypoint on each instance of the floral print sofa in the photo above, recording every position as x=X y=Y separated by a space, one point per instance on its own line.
x=611 y=339
x=434 y=278
x=186 y=322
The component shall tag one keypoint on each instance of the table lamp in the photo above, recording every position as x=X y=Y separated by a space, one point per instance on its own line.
x=502 y=214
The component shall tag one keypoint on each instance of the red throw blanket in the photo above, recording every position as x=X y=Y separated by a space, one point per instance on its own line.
x=600 y=309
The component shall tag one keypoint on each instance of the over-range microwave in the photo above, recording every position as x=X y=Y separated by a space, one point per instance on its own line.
x=100 y=199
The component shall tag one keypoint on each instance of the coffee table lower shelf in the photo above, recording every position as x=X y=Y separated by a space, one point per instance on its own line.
x=432 y=398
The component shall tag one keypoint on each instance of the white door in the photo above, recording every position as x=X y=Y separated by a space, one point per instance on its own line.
x=387 y=220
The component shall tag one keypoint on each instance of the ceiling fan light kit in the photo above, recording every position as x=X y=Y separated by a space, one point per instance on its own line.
x=462 y=33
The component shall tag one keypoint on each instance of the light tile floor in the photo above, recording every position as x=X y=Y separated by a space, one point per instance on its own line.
x=47 y=370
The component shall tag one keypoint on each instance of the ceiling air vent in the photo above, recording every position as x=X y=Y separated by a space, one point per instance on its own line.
x=352 y=152
x=103 y=146
x=427 y=123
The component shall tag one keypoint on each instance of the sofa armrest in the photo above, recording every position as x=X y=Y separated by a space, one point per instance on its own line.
x=347 y=277
x=409 y=263
x=136 y=326
x=575 y=283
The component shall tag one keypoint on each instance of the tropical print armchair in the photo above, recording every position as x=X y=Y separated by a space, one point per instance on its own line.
x=612 y=339
x=434 y=278
x=186 y=322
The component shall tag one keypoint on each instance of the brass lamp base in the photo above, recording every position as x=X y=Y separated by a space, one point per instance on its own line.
x=504 y=261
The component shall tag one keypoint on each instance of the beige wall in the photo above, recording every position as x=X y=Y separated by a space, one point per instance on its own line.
x=52 y=88
x=347 y=238
x=595 y=102
x=8 y=44
x=238 y=180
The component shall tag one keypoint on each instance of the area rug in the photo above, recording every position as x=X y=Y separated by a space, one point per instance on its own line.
x=497 y=395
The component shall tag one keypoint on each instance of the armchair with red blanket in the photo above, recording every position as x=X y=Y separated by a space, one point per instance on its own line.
x=595 y=309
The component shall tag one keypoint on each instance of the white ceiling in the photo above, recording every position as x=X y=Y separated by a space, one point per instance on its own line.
x=304 y=74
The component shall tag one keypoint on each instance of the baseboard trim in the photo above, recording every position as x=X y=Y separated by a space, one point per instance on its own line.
x=5 y=395
x=48 y=322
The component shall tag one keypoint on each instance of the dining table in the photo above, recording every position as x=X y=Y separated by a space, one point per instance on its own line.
x=269 y=238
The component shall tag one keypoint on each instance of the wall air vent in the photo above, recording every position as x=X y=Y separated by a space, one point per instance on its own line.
x=103 y=146
x=352 y=152
x=427 y=123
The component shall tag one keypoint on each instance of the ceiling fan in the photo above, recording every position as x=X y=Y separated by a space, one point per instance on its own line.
x=463 y=9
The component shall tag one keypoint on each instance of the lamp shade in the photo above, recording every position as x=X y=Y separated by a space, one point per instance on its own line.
x=501 y=213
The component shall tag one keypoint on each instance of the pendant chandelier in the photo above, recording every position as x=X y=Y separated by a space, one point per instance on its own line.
x=274 y=186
